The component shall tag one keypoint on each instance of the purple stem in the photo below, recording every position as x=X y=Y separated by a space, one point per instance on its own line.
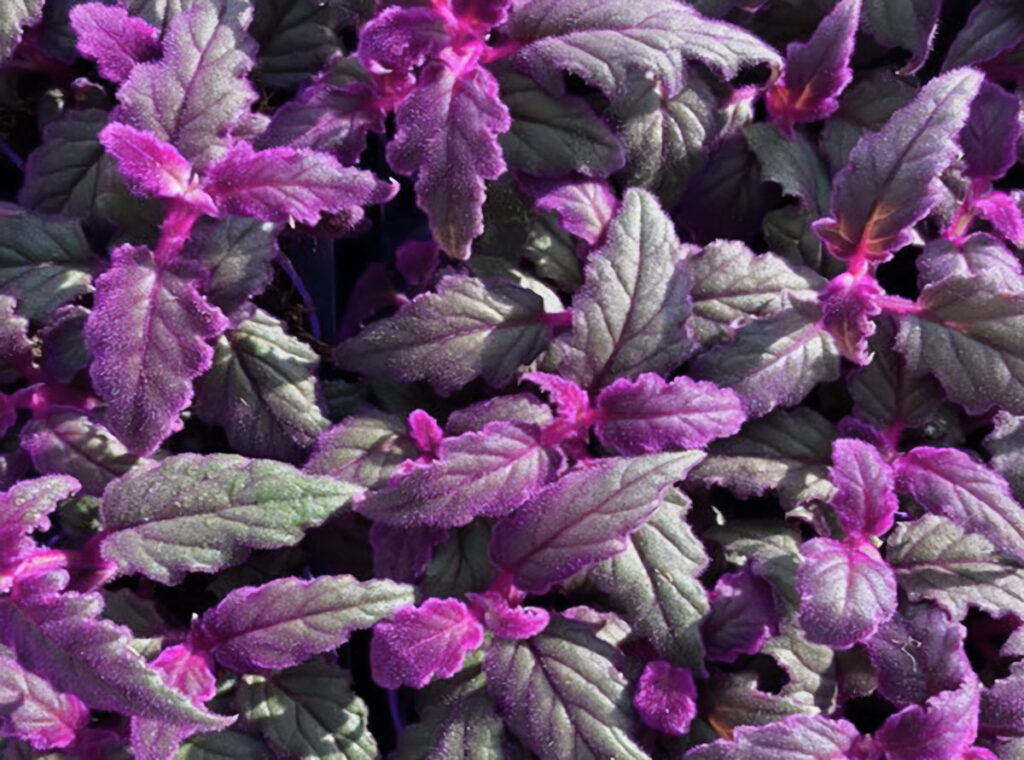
x=13 y=157
x=396 y=713
x=286 y=264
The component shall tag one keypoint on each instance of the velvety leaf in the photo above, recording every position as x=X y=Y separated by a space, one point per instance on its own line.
x=16 y=349
x=505 y=620
x=198 y=90
x=654 y=581
x=629 y=316
x=282 y=184
x=1000 y=711
x=732 y=286
x=44 y=262
x=237 y=253
x=1006 y=447
x=25 y=508
x=113 y=38
x=263 y=390
x=889 y=182
x=585 y=206
x=785 y=451
x=934 y=559
x=884 y=392
x=799 y=737
x=584 y=517
x=773 y=362
x=919 y=652
x=942 y=728
x=667 y=136
x=470 y=327
x=742 y=616
x=907 y=24
x=666 y=698
x=647 y=415
x=811 y=668
x=462 y=724
x=64 y=354
x=64 y=174
x=14 y=17
x=992 y=27
x=191 y=513
x=793 y=163
x=524 y=407
x=147 y=333
x=309 y=711
x=447 y=136
x=817 y=71
x=67 y=440
x=734 y=700
x=60 y=637
x=460 y=565
x=846 y=591
x=947 y=482
x=32 y=710
x=363 y=449
x=416 y=644
x=223 y=745
x=990 y=136
x=295 y=38
x=563 y=693
x=603 y=44
x=285 y=622
x=552 y=135
x=399 y=39
x=968 y=335
x=865 y=500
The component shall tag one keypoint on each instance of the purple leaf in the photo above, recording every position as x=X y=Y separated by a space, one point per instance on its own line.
x=62 y=638
x=563 y=693
x=662 y=562
x=977 y=255
x=865 y=500
x=522 y=407
x=935 y=559
x=797 y=737
x=418 y=643
x=993 y=27
x=447 y=136
x=774 y=361
x=605 y=44
x=585 y=206
x=584 y=517
x=67 y=440
x=505 y=621
x=647 y=415
x=1002 y=706
x=147 y=333
x=199 y=90
x=990 y=136
x=849 y=306
x=846 y=591
x=112 y=38
x=630 y=314
x=468 y=328
x=400 y=39
x=488 y=473
x=33 y=711
x=152 y=167
x=263 y=390
x=742 y=616
x=25 y=508
x=890 y=180
x=402 y=554
x=571 y=401
x=666 y=698
x=918 y=653
x=907 y=24
x=817 y=71
x=192 y=513
x=1003 y=213
x=968 y=334
x=947 y=482
x=363 y=449
x=941 y=729
x=283 y=184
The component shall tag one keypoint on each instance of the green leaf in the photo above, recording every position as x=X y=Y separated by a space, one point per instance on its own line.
x=629 y=316
x=793 y=163
x=468 y=328
x=295 y=38
x=907 y=24
x=554 y=135
x=224 y=745
x=363 y=449
x=655 y=581
x=789 y=451
x=262 y=389
x=563 y=693
x=460 y=564
x=43 y=262
x=970 y=335
x=190 y=513
x=309 y=712
x=237 y=252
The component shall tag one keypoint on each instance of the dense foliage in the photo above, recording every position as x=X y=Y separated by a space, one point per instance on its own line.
x=512 y=378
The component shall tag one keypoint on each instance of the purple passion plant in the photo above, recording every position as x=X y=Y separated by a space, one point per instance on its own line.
x=544 y=379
